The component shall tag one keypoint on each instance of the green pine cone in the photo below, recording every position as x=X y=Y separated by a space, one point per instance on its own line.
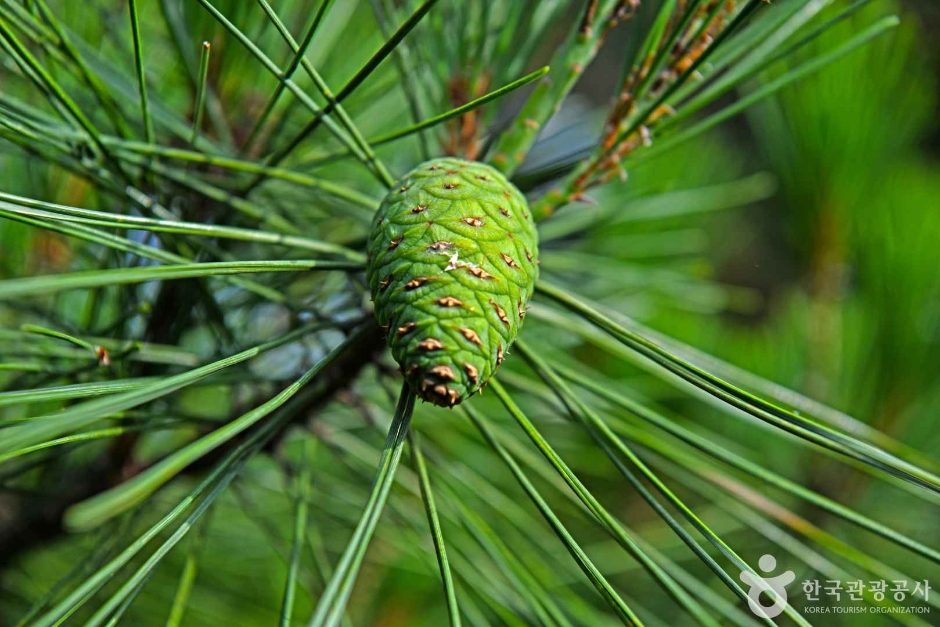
x=452 y=264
